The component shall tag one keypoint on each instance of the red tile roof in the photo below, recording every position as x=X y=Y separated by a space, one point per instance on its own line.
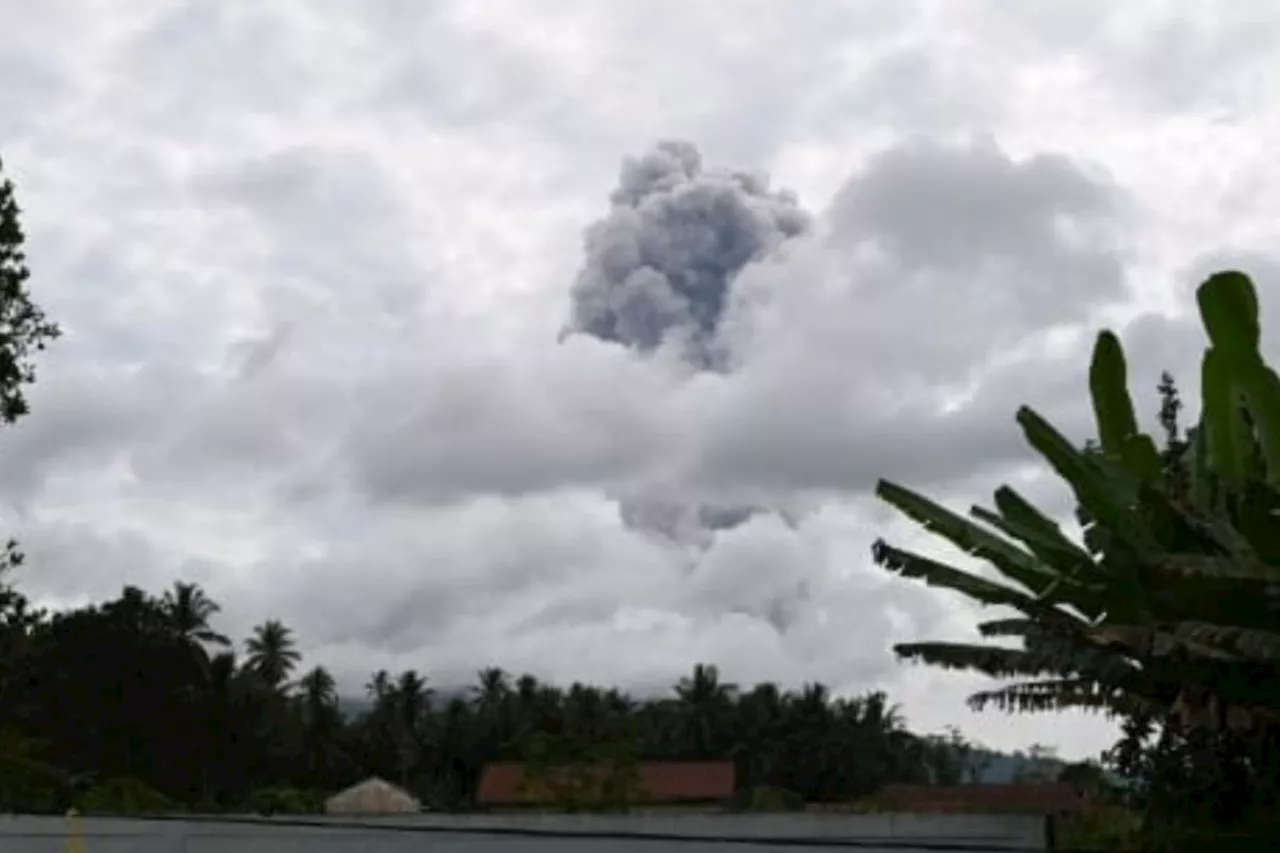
x=1034 y=797
x=660 y=782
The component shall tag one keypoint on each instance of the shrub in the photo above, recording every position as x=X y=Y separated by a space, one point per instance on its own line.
x=283 y=800
x=32 y=787
x=1103 y=828
x=767 y=798
x=126 y=796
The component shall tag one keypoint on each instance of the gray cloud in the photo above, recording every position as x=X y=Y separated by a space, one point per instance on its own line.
x=675 y=518
x=944 y=206
x=827 y=386
x=86 y=417
x=924 y=236
x=80 y=552
x=660 y=266
x=1167 y=57
x=1039 y=233
x=659 y=270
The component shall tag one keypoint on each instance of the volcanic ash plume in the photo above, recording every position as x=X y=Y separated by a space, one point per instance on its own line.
x=680 y=521
x=659 y=267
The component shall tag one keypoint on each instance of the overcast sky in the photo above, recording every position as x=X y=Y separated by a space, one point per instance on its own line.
x=572 y=336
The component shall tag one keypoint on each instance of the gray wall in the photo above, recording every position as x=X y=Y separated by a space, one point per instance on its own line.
x=22 y=834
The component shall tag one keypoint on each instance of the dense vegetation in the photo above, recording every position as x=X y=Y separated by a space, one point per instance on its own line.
x=1167 y=612
x=144 y=688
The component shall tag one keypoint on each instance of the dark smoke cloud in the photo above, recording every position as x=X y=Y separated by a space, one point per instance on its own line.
x=659 y=267
x=679 y=520
x=690 y=522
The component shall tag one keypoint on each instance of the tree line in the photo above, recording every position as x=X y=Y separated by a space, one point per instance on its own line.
x=143 y=691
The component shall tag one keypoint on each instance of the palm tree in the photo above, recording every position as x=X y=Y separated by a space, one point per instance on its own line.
x=383 y=741
x=222 y=705
x=318 y=689
x=883 y=742
x=189 y=611
x=529 y=707
x=462 y=749
x=707 y=705
x=761 y=717
x=379 y=687
x=527 y=689
x=321 y=720
x=493 y=711
x=411 y=704
x=492 y=687
x=137 y=609
x=271 y=653
x=879 y=713
x=412 y=698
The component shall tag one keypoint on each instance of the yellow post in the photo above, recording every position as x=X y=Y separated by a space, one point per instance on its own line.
x=75 y=833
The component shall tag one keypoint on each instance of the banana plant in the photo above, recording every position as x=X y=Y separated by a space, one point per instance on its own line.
x=1241 y=394
x=1168 y=586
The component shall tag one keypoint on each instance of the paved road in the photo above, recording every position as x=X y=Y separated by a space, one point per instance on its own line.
x=577 y=834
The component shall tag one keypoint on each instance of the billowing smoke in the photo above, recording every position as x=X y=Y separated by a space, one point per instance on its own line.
x=660 y=266
x=680 y=521
x=665 y=513
x=659 y=270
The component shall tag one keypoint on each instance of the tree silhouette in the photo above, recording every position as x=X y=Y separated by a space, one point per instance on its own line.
x=208 y=732
x=24 y=329
x=189 y=611
x=272 y=653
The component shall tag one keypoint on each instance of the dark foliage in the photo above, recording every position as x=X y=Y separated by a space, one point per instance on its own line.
x=24 y=329
x=135 y=689
x=1164 y=613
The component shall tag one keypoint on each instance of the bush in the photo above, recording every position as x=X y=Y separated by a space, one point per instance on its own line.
x=767 y=798
x=125 y=795
x=872 y=804
x=1103 y=828
x=32 y=787
x=272 y=801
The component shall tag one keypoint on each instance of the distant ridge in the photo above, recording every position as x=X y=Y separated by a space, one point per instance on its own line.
x=1003 y=767
x=353 y=707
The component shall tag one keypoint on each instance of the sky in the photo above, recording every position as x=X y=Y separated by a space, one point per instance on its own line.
x=572 y=337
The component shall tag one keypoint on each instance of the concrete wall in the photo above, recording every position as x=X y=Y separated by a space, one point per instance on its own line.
x=467 y=833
